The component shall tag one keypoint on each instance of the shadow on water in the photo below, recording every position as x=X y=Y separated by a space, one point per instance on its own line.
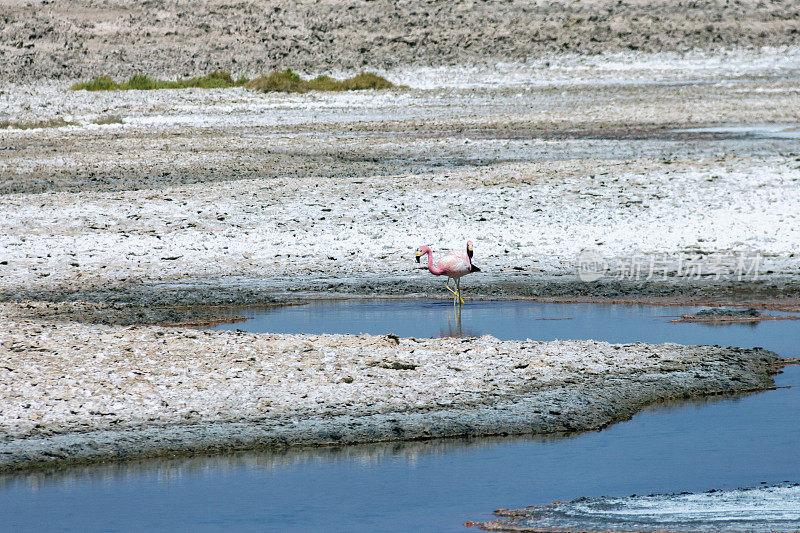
x=438 y=485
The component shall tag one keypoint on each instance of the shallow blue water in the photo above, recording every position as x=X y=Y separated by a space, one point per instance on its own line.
x=436 y=486
x=509 y=320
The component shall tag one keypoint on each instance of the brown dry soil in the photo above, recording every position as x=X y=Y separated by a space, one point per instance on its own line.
x=83 y=38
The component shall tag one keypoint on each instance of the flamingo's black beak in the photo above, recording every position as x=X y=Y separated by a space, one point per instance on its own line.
x=474 y=268
x=418 y=256
x=469 y=252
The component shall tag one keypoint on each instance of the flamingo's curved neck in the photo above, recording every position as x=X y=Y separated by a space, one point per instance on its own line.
x=434 y=270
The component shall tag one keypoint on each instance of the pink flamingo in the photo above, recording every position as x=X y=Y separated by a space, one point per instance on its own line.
x=454 y=265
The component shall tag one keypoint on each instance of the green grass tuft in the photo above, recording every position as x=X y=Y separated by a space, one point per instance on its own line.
x=141 y=82
x=290 y=82
x=103 y=83
x=324 y=83
x=366 y=80
x=285 y=81
x=215 y=80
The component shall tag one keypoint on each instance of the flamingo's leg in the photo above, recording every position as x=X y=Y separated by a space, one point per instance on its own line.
x=458 y=289
x=455 y=295
x=448 y=286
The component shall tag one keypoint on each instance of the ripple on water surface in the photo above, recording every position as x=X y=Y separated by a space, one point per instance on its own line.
x=773 y=508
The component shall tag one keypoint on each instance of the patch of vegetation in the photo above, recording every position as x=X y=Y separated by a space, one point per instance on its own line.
x=286 y=81
x=103 y=83
x=289 y=81
x=141 y=82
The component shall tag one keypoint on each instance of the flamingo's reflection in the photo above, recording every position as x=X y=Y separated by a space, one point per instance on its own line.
x=454 y=328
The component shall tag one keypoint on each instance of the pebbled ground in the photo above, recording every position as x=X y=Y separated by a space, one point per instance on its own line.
x=82 y=38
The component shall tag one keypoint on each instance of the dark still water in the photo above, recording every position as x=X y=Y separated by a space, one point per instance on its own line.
x=438 y=485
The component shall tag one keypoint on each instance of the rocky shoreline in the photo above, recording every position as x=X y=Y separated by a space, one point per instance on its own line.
x=78 y=393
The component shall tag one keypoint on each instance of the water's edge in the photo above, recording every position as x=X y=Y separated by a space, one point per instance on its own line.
x=764 y=508
x=567 y=408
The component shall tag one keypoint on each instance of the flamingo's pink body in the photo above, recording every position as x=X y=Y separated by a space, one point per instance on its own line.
x=454 y=265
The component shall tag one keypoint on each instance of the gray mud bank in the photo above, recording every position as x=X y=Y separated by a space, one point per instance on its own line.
x=77 y=393
x=201 y=302
x=563 y=409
